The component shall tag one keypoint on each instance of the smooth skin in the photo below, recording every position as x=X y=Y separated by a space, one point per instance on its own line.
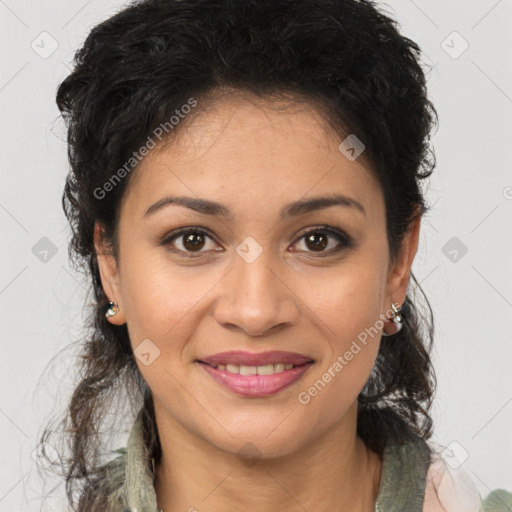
x=255 y=157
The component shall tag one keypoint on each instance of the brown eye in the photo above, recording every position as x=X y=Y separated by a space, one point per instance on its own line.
x=318 y=239
x=188 y=241
x=194 y=241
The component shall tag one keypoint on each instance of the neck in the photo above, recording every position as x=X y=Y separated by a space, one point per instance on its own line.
x=335 y=472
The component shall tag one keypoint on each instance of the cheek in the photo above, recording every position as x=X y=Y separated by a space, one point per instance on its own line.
x=162 y=300
x=153 y=293
x=347 y=307
x=342 y=374
x=349 y=301
x=146 y=293
x=160 y=303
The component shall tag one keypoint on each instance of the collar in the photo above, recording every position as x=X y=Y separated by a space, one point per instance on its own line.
x=139 y=490
x=401 y=488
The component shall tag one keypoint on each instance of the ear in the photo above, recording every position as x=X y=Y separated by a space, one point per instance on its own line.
x=109 y=272
x=399 y=274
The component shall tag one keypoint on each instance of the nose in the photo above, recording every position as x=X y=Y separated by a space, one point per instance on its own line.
x=255 y=298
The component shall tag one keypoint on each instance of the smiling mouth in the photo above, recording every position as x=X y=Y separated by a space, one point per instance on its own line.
x=266 y=369
x=256 y=381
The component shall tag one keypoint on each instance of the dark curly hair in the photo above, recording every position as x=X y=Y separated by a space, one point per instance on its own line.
x=138 y=67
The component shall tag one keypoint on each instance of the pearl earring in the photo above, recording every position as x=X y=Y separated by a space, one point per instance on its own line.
x=397 y=319
x=112 y=310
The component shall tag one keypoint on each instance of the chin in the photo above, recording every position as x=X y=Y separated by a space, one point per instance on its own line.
x=278 y=435
x=251 y=448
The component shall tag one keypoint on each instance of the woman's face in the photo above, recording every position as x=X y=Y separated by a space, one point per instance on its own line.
x=266 y=272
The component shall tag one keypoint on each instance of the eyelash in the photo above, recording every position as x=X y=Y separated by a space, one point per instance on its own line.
x=346 y=241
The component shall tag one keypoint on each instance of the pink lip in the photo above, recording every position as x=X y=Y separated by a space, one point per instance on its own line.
x=240 y=358
x=257 y=385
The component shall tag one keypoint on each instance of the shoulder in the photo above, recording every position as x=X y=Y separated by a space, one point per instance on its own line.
x=448 y=488
x=497 y=501
x=104 y=492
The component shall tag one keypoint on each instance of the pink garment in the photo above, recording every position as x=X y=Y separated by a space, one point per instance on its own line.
x=448 y=487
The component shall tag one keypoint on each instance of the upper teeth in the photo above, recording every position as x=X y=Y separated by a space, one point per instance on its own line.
x=267 y=369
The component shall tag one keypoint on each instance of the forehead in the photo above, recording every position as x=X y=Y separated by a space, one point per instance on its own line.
x=252 y=151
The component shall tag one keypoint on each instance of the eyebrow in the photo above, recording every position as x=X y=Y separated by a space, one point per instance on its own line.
x=294 y=209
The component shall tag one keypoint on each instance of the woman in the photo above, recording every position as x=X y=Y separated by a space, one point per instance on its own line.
x=245 y=191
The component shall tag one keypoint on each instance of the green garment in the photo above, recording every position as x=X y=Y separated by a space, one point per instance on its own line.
x=129 y=484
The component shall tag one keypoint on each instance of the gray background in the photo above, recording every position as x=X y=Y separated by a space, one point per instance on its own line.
x=471 y=193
